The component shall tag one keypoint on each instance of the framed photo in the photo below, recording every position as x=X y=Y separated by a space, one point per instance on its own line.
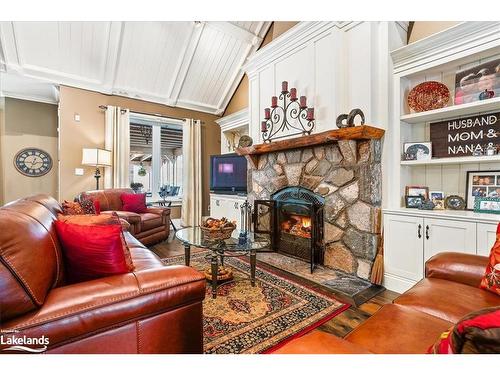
x=478 y=83
x=488 y=205
x=454 y=202
x=481 y=184
x=417 y=151
x=421 y=191
x=413 y=201
x=438 y=204
x=436 y=195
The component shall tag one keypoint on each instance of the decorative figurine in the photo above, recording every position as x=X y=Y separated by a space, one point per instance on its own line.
x=427 y=205
x=349 y=118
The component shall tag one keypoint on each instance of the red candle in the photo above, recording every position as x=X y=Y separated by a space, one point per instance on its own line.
x=267 y=113
x=293 y=93
x=284 y=86
x=263 y=127
x=310 y=114
x=274 y=101
x=303 y=102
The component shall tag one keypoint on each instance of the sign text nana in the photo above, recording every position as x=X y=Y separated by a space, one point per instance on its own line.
x=463 y=136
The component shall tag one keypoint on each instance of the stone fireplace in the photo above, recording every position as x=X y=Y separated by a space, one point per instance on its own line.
x=319 y=197
x=293 y=218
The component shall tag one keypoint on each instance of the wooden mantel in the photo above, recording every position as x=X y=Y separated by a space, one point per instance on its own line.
x=362 y=132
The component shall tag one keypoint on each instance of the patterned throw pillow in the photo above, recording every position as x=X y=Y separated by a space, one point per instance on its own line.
x=88 y=206
x=72 y=208
x=476 y=333
x=103 y=219
x=491 y=279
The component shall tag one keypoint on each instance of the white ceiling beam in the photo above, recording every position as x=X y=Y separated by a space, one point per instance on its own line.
x=238 y=74
x=236 y=32
x=145 y=157
x=9 y=46
x=114 y=47
x=185 y=62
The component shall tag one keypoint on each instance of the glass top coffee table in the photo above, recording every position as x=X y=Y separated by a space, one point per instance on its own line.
x=231 y=247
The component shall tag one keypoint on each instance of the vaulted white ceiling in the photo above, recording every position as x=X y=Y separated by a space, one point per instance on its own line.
x=194 y=65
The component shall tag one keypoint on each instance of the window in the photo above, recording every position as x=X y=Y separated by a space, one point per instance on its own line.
x=156 y=155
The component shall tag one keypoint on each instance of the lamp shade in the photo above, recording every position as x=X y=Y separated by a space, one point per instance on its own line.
x=96 y=157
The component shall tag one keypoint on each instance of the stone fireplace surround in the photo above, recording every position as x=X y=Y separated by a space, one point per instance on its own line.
x=347 y=172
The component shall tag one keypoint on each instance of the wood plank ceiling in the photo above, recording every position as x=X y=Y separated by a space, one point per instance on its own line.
x=193 y=65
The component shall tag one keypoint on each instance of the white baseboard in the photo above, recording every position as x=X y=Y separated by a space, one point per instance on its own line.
x=397 y=284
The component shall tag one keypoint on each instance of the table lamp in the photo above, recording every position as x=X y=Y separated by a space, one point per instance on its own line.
x=96 y=157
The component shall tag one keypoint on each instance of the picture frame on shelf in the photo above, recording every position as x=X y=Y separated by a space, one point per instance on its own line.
x=436 y=195
x=413 y=201
x=417 y=151
x=490 y=205
x=481 y=184
x=438 y=204
x=454 y=202
x=422 y=191
x=478 y=83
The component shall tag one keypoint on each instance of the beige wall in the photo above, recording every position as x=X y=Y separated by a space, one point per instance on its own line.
x=89 y=132
x=28 y=124
x=423 y=29
x=239 y=100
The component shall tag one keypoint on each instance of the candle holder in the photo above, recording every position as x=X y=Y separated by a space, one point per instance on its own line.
x=289 y=114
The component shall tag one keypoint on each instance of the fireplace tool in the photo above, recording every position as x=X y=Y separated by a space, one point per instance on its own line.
x=246 y=212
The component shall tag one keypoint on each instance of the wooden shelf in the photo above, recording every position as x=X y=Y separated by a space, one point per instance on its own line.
x=363 y=132
x=457 y=160
x=453 y=111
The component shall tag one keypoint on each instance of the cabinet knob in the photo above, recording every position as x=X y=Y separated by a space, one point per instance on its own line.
x=419 y=231
x=426 y=232
x=236 y=205
x=217 y=203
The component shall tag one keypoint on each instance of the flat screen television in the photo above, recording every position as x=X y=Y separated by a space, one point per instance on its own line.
x=228 y=174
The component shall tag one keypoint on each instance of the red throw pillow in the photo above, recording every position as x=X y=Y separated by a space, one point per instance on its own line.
x=476 y=333
x=91 y=251
x=491 y=278
x=97 y=206
x=104 y=219
x=134 y=203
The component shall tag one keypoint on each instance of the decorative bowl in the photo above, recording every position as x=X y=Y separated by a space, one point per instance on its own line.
x=428 y=95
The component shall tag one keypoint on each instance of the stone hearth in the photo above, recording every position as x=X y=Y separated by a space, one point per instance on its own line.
x=348 y=174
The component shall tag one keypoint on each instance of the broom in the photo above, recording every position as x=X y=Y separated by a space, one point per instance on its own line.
x=378 y=265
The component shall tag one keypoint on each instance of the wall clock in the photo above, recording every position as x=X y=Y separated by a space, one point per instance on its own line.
x=33 y=162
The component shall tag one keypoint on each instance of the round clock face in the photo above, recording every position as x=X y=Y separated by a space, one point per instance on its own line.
x=33 y=162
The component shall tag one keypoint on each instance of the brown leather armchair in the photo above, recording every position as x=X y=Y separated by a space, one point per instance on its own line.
x=155 y=309
x=150 y=227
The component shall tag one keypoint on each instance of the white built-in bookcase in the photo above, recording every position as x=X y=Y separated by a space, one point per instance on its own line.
x=437 y=58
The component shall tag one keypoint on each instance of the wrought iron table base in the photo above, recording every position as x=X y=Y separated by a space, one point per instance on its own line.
x=214 y=264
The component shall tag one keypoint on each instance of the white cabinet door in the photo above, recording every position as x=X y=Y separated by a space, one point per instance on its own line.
x=448 y=235
x=486 y=237
x=217 y=207
x=403 y=246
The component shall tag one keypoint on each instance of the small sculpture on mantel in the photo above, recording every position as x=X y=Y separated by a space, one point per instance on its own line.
x=349 y=118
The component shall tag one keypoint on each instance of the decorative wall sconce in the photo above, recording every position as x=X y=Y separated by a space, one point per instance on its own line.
x=279 y=118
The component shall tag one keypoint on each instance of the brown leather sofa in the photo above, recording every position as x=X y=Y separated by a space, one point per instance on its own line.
x=155 y=309
x=416 y=319
x=149 y=228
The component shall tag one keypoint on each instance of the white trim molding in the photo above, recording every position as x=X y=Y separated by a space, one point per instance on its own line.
x=234 y=120
x=461 y=38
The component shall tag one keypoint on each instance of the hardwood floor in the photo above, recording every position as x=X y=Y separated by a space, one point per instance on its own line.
x=339 y=326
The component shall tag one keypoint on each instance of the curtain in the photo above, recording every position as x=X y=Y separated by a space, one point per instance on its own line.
x=117 y=140
x=191 y=181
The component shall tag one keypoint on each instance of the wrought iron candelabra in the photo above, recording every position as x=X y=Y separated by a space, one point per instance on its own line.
x=293 y=114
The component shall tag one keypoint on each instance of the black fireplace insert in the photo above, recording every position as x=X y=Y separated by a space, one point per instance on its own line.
x=293 y=218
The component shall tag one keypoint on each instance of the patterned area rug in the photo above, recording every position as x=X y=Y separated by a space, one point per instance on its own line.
x=246 y=319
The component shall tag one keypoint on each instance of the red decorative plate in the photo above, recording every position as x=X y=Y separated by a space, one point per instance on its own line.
x=428 y=95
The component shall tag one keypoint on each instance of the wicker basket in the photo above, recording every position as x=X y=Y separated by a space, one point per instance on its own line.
x=211 y=234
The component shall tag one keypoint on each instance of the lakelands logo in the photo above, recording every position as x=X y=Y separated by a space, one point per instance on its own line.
x=23 y=343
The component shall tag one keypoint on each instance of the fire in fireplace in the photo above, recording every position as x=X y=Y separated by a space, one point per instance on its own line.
x=293 y=218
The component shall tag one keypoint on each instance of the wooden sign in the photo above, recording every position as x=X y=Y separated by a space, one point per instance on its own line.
x=463 y=136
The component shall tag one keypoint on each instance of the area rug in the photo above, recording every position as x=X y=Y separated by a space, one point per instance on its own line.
x=260 y=319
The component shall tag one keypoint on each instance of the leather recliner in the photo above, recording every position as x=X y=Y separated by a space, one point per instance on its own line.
x=149 y=228
x=154 y=309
